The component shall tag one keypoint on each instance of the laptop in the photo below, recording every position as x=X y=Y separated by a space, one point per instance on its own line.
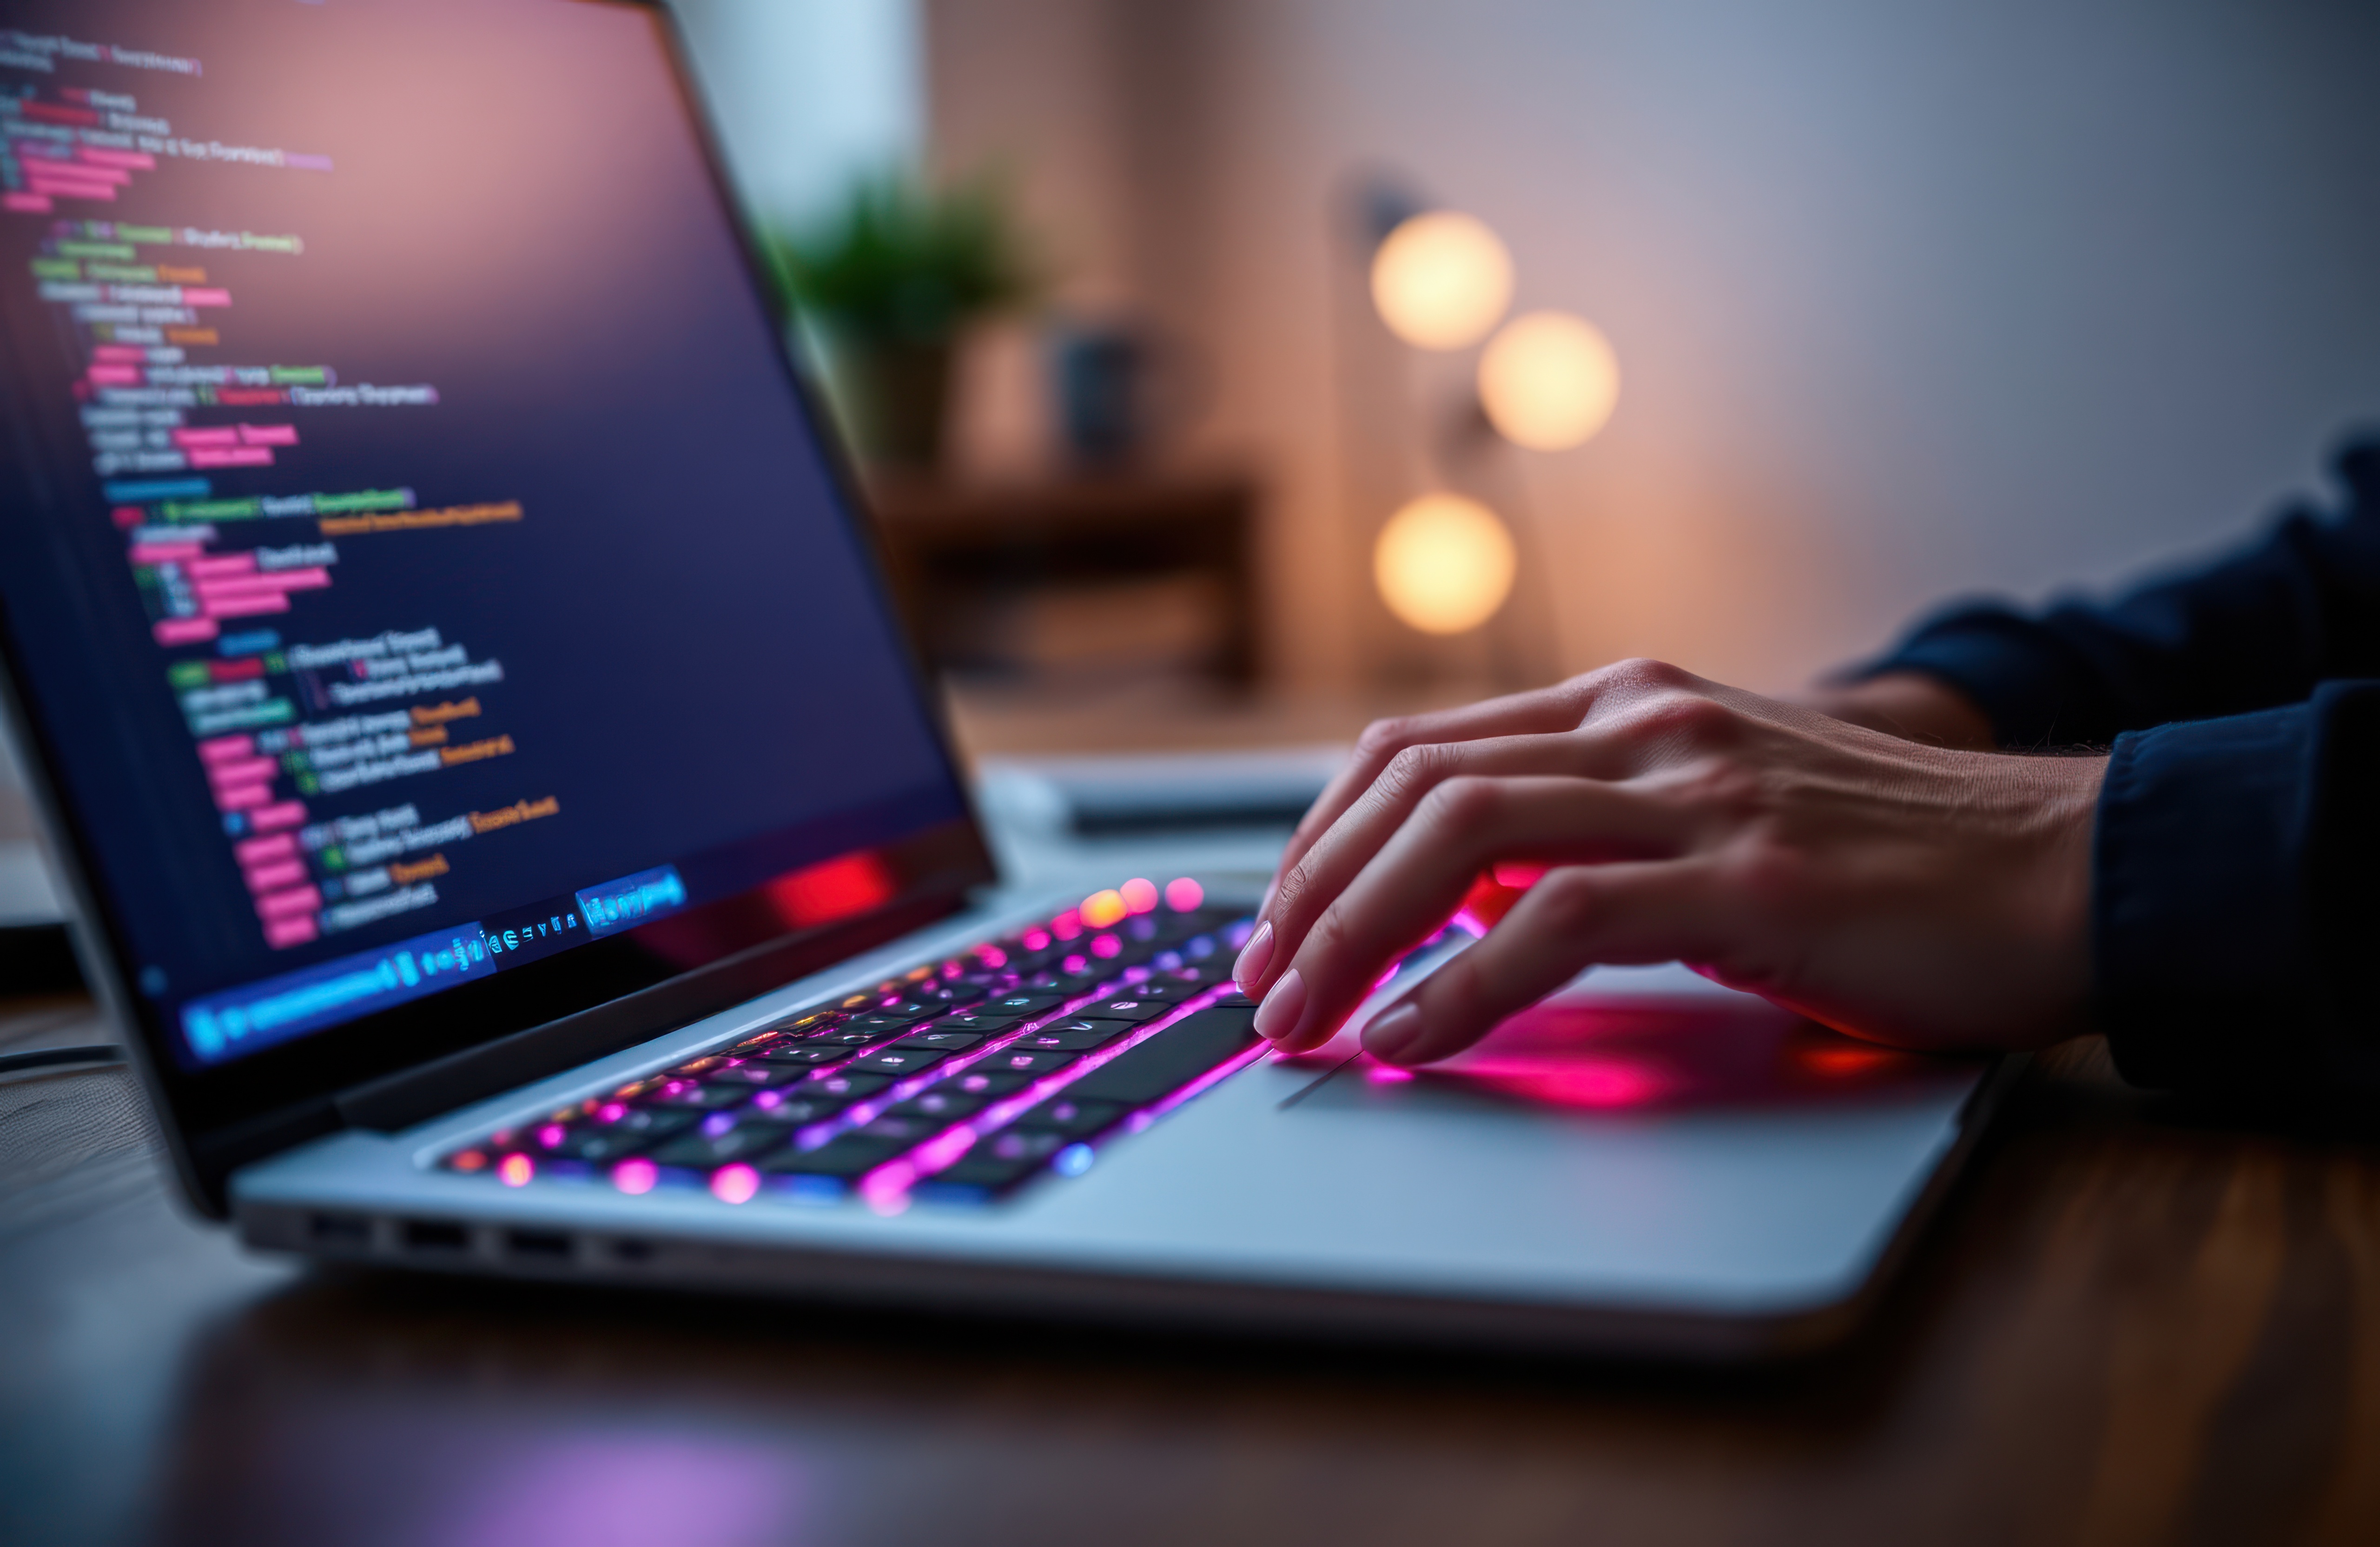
x=515 y=838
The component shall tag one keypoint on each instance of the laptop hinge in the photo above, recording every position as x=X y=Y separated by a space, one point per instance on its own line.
x=414 y=1095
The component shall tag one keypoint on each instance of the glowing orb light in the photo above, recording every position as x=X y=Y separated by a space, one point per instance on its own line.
x=1441 y=280
x=1182 y=893
x=1548 y=381
x=1444 y=563
x=734 y=1184
x=1102 y=908
x=1139 y=894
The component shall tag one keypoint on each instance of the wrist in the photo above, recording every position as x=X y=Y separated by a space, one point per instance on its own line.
x=1913 y=706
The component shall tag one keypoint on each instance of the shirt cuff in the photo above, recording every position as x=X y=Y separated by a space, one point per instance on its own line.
x=2201 y=974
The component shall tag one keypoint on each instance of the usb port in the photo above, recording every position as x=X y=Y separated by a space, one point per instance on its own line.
x=539 y=1242
x=431 y=1235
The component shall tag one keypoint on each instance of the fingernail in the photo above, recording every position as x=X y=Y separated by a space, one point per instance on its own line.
x=1249 y=970
x=1393 y=1031
x=1282 y=1009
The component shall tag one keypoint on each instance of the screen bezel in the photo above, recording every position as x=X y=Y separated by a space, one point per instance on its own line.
x=222 y=1115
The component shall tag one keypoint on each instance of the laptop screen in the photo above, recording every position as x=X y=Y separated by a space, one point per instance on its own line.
x=422 y=575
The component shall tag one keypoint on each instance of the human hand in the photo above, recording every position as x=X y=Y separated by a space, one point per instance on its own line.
x=1910 y=894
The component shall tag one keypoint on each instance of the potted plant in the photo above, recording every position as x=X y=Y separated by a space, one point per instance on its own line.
x=885 y=286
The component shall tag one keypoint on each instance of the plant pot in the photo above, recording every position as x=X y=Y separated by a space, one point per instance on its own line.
x=893 y=398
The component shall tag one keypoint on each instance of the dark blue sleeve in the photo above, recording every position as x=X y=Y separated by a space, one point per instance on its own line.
x=2257 y=628
x=2236 y=891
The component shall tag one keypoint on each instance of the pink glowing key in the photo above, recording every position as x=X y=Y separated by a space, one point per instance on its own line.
x=272 y=818
x=282 y=934
x=734 y=1184
x=185 y=630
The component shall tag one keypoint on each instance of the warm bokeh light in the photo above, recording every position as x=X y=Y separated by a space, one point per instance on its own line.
x=1182 y=893
x=734 y=1184
x=1441 y=280
x=1102 y=908
x=1444 y=563
x=1548 y=381
x=514 y=1171
x=1139 y=894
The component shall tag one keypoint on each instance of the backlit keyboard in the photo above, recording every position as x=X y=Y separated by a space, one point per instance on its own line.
x=955 y=1081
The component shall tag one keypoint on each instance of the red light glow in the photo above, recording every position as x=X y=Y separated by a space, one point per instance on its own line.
x=843 y=887
x=469 y=1159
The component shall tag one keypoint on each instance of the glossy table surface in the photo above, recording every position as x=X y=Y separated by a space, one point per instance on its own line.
x=2134 y=1321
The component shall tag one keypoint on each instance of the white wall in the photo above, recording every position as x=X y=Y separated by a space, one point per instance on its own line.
x=807 y=95
x=1909 y=299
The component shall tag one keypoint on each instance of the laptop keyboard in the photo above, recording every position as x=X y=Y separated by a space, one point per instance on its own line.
x=956 y=1081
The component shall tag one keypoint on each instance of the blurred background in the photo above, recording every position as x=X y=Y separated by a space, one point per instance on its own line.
x=1883 y=302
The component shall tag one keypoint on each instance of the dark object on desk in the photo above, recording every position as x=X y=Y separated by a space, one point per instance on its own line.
x=38 y=958
x=1078 y=579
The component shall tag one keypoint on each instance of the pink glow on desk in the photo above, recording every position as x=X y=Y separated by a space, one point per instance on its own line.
x=184 y=630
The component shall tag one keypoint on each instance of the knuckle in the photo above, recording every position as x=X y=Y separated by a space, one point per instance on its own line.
x=1462 y=805
x=1383 y=737
x=1567 y=899
x=1678 y=718
x=1411 y=769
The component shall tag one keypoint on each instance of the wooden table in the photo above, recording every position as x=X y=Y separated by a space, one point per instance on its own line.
x=2133 y=1323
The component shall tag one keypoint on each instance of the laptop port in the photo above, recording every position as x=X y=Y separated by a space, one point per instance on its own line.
x=352 y=1230
x=549 y=1244
x=633 y=1250
x=431 y=1235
